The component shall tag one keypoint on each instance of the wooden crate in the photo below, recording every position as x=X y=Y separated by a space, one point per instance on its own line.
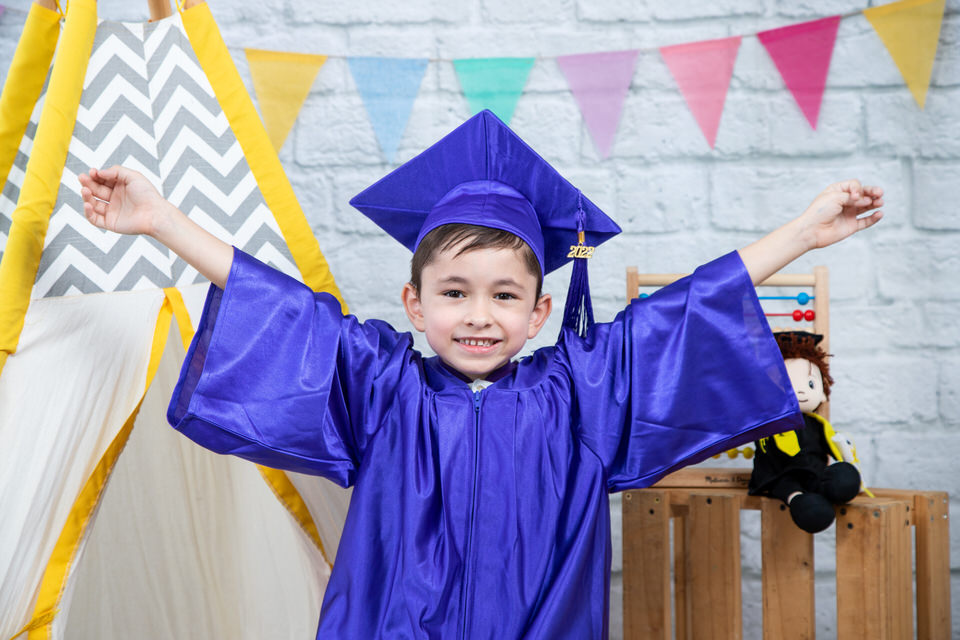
x=875 y=562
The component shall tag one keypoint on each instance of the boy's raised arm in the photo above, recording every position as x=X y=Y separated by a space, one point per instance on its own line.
x=121 y=200
x=831 y=217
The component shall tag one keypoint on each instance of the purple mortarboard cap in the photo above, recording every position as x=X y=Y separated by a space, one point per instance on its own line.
x=482 y=173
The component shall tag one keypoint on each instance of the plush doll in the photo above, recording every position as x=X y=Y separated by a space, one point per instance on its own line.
x=794 y=466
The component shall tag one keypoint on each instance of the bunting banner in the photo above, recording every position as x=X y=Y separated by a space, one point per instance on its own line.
x=281 y=81
x=599 y=83
x=388 y=87
x=493 y=83
x=802 y=54
x=702 y=71
x=911 y=31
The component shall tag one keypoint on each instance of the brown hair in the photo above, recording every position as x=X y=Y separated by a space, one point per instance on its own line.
x=800 y=344
x=471 y=237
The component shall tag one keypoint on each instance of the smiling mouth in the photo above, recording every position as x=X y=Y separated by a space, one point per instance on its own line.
x=477 y=342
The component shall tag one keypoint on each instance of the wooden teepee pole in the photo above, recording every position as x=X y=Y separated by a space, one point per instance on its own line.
x=159 y=9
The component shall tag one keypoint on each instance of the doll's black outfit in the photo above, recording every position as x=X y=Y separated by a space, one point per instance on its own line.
x=797 y=461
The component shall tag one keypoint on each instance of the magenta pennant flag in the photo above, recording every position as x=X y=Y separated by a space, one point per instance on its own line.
x=802 y=53
x=599 y=83
x=703 y=70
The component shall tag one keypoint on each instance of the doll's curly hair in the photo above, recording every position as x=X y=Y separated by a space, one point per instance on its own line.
x=802 y=344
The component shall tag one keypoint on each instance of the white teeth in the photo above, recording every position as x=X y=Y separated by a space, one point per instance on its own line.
x=472 y=342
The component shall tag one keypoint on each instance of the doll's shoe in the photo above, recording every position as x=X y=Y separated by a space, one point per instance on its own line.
x=811 y=512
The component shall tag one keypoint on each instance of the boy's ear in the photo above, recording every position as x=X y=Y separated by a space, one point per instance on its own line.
x=411 y=304
x=539 y=315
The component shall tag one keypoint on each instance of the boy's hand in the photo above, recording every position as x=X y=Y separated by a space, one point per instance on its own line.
x=834 y=214
x=121 y=200
x=831 y=217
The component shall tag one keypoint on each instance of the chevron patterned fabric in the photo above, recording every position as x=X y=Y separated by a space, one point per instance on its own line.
x=146 y=104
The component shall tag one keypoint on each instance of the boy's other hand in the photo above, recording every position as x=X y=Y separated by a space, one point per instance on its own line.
x=120 y=200
x=836 y=213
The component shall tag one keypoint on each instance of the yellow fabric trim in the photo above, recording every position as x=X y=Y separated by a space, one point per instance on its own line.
x=289 y=497
x=25 y=80
x=181 y=314
x=218 y=66
x=261 y=156
x=18 y=269
x=829 y=432
x=64 y=551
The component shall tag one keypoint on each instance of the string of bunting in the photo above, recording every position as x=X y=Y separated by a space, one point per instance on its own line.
x=599 y=82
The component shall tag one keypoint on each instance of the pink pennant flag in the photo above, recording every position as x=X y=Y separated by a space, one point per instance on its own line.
x=599 y=83
x=703 y=70
x=802 y=53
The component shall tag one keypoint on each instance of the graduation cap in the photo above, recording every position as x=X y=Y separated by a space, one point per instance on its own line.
x=798 y=338
x=483 y=174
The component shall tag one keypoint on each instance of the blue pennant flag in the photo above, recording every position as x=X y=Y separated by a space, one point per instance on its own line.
x=388 y=87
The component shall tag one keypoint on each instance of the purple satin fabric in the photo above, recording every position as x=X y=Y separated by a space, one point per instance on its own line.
x=479 y=515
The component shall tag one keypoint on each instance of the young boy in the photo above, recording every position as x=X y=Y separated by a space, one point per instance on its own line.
x=480 y=504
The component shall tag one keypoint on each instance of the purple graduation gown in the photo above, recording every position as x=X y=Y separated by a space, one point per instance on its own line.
x=479 y=515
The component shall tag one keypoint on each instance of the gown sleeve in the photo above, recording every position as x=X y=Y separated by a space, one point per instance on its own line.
x=688 y=372
x=276 y=374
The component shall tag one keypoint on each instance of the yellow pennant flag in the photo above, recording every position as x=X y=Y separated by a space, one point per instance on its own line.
x=910 y=30
x=281 y=81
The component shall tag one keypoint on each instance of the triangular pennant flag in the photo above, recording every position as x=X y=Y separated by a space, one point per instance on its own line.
x=388 y=87
x=802 y=54
x=703 y=70
x=911 y=31
x=493 y=83
x=281 y=81
x=599 y=83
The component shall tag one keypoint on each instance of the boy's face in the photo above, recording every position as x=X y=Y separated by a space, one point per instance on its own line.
x=807 y=383
x=477 y=308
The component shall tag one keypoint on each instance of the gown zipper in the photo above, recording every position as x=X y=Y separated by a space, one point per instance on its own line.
x=473 y=508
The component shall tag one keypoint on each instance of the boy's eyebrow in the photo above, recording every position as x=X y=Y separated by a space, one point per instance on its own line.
x=502 y=282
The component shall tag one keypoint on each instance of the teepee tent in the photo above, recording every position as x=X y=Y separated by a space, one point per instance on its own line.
x=113 y=525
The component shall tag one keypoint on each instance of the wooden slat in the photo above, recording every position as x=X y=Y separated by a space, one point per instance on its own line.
x=931 y=512
x=646 y=565
x=633 y=283
x=680 y=609
x=821 y=321
x=872 y=584
x=787 y=552
x=776 y=280
x=713 y=567
x=701 y=477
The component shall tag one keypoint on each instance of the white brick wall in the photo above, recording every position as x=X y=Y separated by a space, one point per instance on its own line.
x=895 y=291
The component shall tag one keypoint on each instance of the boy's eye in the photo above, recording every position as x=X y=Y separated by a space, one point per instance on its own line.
x=504 y=296
x=453 y=293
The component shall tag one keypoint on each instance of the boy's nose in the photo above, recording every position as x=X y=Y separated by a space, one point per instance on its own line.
x=478 y=315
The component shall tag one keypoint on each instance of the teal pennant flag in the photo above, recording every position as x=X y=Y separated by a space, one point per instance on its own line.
x=493 y=83
x=388 y=87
